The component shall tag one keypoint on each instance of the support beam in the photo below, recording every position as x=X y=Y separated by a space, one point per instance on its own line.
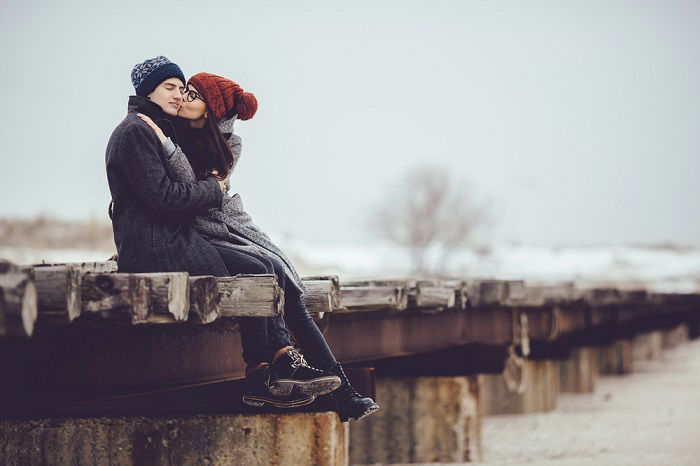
x=421 y=420
x=616 y=358
x=579 y=373
x=295 y=439
x=537 y=392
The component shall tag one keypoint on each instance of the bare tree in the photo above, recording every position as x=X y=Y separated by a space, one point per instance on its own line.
x=427 y=209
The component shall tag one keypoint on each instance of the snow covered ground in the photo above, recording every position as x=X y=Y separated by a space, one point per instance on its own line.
x=649 y=417
x=663 y=269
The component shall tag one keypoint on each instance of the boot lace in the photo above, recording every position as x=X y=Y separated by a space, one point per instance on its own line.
x=297 y=358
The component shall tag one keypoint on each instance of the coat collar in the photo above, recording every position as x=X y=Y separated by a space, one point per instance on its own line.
x=138 y=104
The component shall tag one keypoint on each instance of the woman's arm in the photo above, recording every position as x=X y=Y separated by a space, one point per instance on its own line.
x=233 y=140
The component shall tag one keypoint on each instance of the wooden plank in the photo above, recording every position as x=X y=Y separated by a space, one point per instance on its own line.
x=170 y=296
x=488 y=292
x=18 y=304
x=205 y=300
x=372 y=298
x=59 y=290
x=249 y=295
x=527 y=294
x=431 y=294
x=87 y=267
x=116 y=296
x=323 y=296
x=461 y=292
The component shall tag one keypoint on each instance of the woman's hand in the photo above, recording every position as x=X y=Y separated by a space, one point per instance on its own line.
x=154 y=127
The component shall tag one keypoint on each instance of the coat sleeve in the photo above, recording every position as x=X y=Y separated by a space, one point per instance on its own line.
x=232 y=139
x=141 y=162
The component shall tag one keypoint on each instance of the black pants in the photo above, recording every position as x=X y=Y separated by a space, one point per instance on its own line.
x=261 y=337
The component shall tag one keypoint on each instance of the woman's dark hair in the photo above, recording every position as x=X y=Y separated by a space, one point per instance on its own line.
x=205 y=148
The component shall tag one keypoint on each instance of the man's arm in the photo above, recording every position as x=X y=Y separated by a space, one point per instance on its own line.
x=140 y=159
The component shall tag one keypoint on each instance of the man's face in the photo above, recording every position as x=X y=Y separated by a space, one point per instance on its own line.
x=168 y=95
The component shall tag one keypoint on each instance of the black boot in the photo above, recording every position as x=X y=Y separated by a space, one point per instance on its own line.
x=258 y=392
x=289 y=371
x=350 y=404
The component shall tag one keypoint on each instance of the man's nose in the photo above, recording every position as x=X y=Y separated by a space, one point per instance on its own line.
x=177 y=96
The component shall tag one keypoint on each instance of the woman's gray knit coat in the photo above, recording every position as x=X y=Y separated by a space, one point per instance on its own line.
x=231 y=225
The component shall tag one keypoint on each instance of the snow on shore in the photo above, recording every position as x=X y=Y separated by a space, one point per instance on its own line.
x=663 y=269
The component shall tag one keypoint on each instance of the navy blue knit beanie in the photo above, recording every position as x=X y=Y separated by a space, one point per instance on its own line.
x=147 y=75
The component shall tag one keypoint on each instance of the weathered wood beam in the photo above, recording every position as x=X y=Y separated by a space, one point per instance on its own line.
x=18 y=304
x=323 y=295
x=379 y=295
x=488 y=292
x=119 y=296
x=205 y=300
x=526 y=294
x=431 y=294
x=170 y=296
x=59 y=291
x=92 y=267
x=249 y=295
x=461 y=292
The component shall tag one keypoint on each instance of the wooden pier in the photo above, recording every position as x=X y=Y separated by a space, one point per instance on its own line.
x=144 y=361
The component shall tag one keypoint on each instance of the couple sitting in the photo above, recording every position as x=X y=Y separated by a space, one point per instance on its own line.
x=168 y=167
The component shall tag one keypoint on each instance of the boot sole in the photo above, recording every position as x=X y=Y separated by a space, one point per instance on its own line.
x=315 y=387
x=259 y=401
x=372 y=408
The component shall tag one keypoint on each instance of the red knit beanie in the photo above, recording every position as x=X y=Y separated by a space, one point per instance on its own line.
x=224 y=97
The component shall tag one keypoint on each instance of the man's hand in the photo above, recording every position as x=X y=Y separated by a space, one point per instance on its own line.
x=156 y=129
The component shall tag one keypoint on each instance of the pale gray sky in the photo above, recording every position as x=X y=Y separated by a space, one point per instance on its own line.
x=577 y=119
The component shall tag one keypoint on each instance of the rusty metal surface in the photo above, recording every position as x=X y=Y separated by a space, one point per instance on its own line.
x=77 y=363
x=80 y=363
x=363 y=337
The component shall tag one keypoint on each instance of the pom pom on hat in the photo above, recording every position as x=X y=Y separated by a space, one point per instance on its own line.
x=224 y=97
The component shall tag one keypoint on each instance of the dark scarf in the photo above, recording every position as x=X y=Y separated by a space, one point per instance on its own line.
x=138 y=104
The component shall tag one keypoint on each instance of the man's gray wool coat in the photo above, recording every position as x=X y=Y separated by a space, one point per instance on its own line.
x=152 y=214
x=231 y=225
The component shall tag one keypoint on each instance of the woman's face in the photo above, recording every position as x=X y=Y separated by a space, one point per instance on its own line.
x=195 y=109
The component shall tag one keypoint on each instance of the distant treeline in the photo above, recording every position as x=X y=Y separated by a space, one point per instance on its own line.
x=47 y=232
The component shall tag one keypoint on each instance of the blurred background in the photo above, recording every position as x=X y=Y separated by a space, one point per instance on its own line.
x=543 y=140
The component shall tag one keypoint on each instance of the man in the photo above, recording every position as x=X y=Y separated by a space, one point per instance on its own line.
x=151 y=214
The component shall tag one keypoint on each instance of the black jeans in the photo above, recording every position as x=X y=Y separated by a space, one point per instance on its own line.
x=261 y=337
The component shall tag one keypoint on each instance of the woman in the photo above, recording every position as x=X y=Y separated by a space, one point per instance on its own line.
x=277 y=373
